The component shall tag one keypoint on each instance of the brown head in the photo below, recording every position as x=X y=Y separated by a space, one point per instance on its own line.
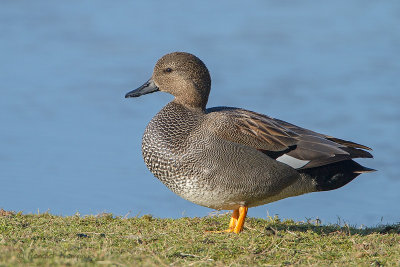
x=183 y=75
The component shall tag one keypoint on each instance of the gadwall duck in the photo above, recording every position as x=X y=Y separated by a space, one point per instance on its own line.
x=229 y=158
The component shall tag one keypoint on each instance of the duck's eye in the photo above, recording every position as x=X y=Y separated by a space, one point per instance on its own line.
x=168 y=70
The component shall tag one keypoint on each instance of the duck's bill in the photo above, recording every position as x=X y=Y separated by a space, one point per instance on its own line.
x=147 y=88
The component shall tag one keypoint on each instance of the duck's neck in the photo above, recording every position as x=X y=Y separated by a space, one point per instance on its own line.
x=193 y=105
x=193 y=99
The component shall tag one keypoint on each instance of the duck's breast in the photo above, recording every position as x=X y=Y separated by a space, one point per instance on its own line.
x=166 y=145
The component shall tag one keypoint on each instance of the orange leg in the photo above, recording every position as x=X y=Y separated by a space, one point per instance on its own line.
x=240 y=220
x=233 y=222
x=237 y=221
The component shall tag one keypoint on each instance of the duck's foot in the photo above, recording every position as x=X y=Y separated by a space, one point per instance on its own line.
x=237 y=221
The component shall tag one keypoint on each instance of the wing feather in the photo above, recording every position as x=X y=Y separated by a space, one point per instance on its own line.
x=277 y=138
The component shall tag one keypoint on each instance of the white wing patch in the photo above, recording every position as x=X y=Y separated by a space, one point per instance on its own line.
x=292 y=162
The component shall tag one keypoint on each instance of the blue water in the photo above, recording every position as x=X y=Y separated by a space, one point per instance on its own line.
x=70 y=142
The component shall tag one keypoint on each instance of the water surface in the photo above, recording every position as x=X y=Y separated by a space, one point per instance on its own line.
x=71 y=143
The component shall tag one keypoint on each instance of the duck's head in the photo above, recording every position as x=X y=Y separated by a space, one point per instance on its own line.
x=181 y=74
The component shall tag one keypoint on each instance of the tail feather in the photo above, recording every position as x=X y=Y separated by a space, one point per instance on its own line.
x=335 y=175
x=365 y=170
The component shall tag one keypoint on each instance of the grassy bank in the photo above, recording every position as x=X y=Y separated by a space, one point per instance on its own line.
x=105 y=240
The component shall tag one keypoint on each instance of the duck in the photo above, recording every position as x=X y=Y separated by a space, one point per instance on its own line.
x=229 y=158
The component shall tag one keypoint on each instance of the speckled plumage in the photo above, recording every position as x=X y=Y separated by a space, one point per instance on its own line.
x=204 y=168
x=224 y=158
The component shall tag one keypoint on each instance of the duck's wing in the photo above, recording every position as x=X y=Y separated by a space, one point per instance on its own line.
x=295 y=146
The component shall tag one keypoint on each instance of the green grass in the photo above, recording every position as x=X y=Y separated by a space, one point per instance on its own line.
x=104 y=240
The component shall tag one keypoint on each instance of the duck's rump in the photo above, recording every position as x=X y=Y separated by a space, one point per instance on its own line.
x=334 y=175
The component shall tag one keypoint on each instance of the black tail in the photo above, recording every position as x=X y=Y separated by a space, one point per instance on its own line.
x=335 y=175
